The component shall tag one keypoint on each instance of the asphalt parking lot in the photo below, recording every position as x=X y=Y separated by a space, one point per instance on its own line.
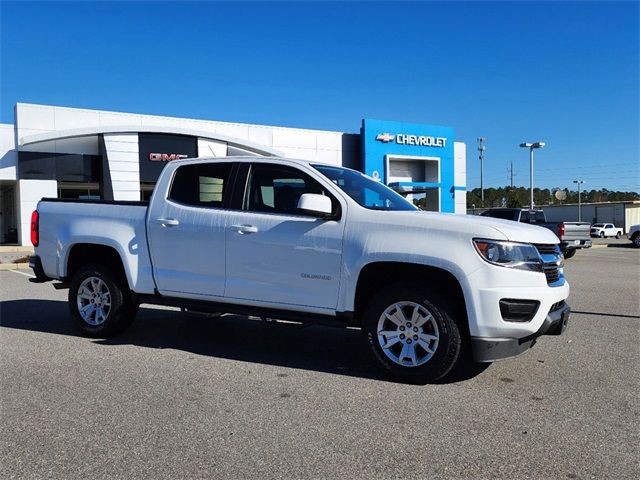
x=181 y=397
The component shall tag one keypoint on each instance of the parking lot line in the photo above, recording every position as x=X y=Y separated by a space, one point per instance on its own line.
x=21 y=273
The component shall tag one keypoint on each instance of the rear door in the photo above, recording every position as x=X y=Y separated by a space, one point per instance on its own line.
x=275 y=254
x=187 y=231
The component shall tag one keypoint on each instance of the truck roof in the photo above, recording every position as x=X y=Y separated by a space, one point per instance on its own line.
x=247 y=159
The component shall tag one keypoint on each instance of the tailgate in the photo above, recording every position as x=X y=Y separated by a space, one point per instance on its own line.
x=576 y=231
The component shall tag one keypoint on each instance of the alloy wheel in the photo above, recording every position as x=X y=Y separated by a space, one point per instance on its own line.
x=408 y=334
x=94 y=301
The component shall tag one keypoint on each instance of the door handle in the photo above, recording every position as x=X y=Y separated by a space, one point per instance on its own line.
x=242 y=229
x=168 y=222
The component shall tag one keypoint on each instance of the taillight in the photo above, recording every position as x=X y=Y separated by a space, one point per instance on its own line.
x=561 y=230
x=35 y=228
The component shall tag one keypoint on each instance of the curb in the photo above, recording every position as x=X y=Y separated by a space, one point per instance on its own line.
x=15 y=249
x=14 y=266
x=599 y=246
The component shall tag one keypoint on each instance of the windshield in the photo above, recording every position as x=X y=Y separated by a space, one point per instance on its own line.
x=364 y=190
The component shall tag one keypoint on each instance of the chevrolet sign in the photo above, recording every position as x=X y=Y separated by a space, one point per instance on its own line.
x=385 y=137
x=418 y=140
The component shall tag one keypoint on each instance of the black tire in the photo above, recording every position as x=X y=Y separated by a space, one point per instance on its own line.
x=122 y=309
x=570 y=253
x=601 y=234
x=635 y=239
x=618 y=235
x=447 y=352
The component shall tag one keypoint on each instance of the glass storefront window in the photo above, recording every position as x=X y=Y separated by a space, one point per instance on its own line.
x=146 y=189
x=62 y=167
x=79 y=192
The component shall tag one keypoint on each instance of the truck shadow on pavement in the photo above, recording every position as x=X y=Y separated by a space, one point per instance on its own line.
x=233 y=337
x=621 y=245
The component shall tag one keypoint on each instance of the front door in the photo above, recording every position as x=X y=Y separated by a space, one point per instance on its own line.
x=277 y=256
x=187 y=232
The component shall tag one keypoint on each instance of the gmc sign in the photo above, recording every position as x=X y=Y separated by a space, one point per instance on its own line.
x=165 y=157
x=155 y=150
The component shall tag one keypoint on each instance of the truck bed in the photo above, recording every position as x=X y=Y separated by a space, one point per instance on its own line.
x=135 y=203
x=65 y=224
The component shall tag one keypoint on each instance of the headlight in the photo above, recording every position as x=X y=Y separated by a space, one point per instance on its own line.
x=523 y=256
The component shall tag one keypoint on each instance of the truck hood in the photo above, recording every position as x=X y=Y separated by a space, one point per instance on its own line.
x=472 y=226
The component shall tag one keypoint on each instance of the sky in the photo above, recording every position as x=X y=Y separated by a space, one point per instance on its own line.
x=563 y=73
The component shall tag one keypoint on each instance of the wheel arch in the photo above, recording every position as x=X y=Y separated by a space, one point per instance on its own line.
x=441 y=280
x=80 y=254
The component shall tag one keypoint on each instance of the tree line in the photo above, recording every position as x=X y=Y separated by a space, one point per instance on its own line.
x=518 y=197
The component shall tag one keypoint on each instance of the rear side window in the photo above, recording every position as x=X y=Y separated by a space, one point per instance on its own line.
x=201 y=185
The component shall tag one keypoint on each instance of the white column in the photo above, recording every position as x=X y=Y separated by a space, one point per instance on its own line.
x=460 y=176
x=29 y=194
x=8 y=153
x=124 y=164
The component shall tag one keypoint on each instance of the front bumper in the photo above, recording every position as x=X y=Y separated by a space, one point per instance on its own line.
x=490 y=349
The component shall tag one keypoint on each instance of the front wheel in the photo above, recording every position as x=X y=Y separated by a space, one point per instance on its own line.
x=601 y=234
x=411 y=334
x=100 y=303
x=635 y=239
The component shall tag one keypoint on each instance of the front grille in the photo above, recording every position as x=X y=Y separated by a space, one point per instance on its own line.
x=551 y=256
x=544 y=249
x=552 y=273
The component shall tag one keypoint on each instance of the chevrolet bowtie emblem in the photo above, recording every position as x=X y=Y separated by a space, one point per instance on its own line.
x=385 y=137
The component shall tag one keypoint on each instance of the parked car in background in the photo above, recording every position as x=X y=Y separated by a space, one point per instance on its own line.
x=603 y=230
x=572 y=235
x=634 y=235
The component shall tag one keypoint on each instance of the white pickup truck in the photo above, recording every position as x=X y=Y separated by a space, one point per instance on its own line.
x=285 y=239
x=603 y=230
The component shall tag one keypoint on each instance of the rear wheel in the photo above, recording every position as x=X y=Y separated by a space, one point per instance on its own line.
x=636 y=240
x=618 y=235
x=100 y=303
x=411 y=333
x=569 y=253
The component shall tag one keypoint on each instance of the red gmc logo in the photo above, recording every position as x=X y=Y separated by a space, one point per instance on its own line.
x=165 y=157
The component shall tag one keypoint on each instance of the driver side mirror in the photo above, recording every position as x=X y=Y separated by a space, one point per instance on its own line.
x=315 y=205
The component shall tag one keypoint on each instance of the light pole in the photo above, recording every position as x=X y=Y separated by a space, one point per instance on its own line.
x=481 y=157
x=531 y=147
x=579 y=182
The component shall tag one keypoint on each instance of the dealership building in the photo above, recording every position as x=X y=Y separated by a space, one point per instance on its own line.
x=53 y=151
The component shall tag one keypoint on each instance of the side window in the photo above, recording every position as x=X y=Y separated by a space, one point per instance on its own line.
x=524 y=217
x=275 y=189
x=201 y=185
